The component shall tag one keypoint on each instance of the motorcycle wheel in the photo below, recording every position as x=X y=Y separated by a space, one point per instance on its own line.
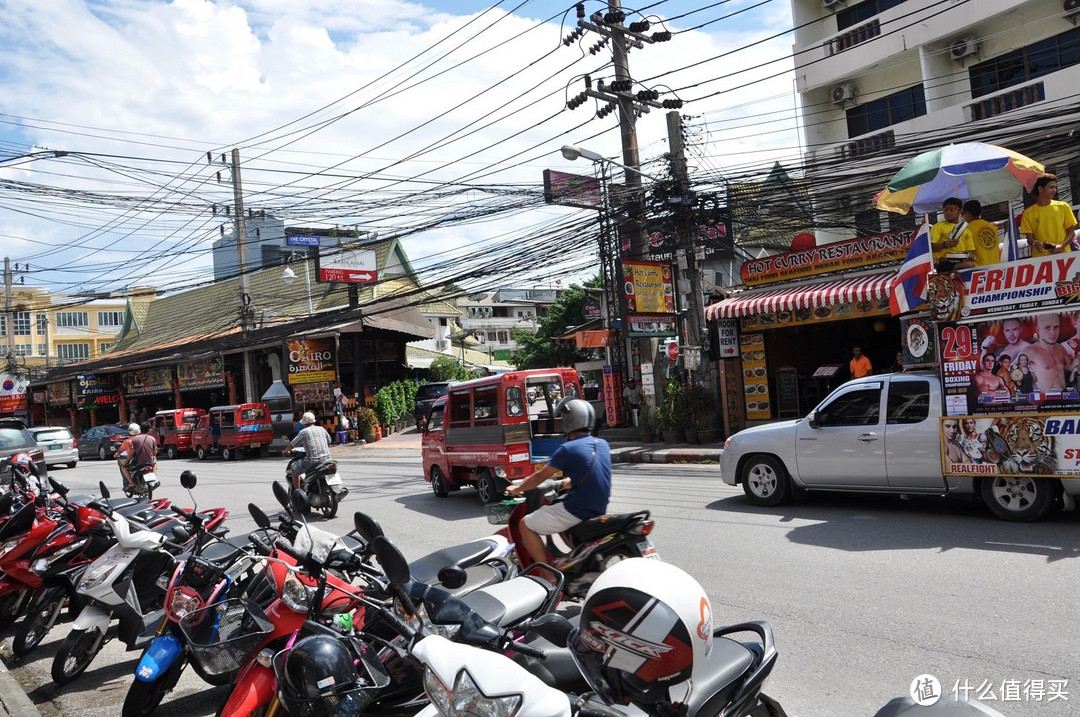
x=329 y=509
x=76 y=653
x=36 y=625
x=10 y=608
x=143 y=698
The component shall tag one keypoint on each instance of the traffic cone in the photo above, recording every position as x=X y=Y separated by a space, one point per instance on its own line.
x=378 y=431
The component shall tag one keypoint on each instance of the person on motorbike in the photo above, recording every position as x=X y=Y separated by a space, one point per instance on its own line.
x=586 y=462
x=123 y=453
x=316 y=443
x=143 y=453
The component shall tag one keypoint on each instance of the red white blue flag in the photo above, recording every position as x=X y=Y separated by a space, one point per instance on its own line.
x=909 y=287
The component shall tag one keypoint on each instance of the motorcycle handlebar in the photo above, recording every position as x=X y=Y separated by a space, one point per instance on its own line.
x=528 y=650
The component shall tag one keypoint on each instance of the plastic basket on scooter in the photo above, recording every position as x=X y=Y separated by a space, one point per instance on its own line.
x=222 y=636
x=499 y=513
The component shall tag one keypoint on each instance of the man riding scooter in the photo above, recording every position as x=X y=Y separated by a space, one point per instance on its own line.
x=586 y=461
x=142 y=454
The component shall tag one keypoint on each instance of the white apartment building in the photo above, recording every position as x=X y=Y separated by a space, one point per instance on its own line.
x=491 y=317
x=882 y=80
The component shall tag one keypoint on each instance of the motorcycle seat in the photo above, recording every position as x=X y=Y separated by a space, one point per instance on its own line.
x=605 y=524
x=220 y=553
x=324 y=467
x=717 y=683
x=476 y=576
x=508 y=602
x=558 y=669
x=426 y=569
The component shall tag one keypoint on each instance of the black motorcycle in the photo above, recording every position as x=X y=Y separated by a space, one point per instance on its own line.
x=321 y=483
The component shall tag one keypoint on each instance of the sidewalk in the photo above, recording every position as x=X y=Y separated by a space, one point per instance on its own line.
x=13 y=699
x=622 y=450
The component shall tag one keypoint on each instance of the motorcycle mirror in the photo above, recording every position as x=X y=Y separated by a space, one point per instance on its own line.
x=260 y=517
x=104 y=490
x=281 y=494
x=58 y=487
x=392 y=561
x=452 y=577
x=298 y=499
x=188 y=479
x=367 y=527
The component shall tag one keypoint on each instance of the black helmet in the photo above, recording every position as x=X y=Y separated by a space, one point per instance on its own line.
x=322 y=675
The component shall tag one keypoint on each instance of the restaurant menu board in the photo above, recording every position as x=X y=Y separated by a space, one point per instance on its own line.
x=147 y=381
x=58 y=394
x=206 y=373
x=648 y=287
x=1023 y=364
x=919 y=342
x=311 y=393
x=755 y=377
x=311 y=360
x=1021 y=445
x=803 y=316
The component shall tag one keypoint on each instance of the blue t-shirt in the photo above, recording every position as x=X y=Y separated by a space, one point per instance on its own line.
x=589 y=490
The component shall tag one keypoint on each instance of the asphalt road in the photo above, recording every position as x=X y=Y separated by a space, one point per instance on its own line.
x=863 y=593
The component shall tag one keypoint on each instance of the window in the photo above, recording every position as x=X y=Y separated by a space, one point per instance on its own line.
x=3 y=325
x=435 y=420
x=42 y=324
x=909 y=402
x=460 y=409
x=21 y=322
x=514 y=404
x=863 y=11
x=486 y=406
x=104 y=346
x=73 y=319
x=42 y=349
x=24 y=349
x=72 y=352
x=885 y=111
x=859 y=407
x=257 y=413
x=1026 y=63
x=110 y=319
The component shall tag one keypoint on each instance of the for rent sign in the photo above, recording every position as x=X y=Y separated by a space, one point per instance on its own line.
x=311 y=360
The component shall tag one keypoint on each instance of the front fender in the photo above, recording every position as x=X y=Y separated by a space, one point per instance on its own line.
x=93 y=617
x=255 y=688
x=159 y=656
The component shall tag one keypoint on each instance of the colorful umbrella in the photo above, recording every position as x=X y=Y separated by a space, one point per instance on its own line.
x=970 y=170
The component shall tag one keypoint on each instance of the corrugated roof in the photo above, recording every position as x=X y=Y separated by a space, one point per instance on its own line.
x=475 y=358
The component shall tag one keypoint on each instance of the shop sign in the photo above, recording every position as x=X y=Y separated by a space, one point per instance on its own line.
x=714 y=239
x=1024 y=364
x=612 y=396
x=1021 y=445
x=814 y=314
x=310 y=360
x=836 y=256
x=651 y=325
x=648 y=287
x=348 y=265
x=58 y=394
x=918 y=341
x=1016 y=287
x=591 y=310
x=755 y=377
x=96 y=390
x=312 y=393
x=205 y=373
x=594 y=339
x=727 y=338
x=148 y=381
x=572 y=190
x=13 y=393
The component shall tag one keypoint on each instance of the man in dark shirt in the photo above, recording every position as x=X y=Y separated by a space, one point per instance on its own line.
x=143 y=452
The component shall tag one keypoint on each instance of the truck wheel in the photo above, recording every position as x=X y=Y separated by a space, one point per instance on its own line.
x=227 y=454
x=200 y=452
x=170 y=452
x=438 y=483
x=1019 y=499
x=486 y=488
x=765 y=481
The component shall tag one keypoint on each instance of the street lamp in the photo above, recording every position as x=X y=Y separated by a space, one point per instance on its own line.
x=571 y=153
x=289 y=276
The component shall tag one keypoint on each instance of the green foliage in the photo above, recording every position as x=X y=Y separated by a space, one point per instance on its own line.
x=395 y=400
x=447 y=368
x=700 y=407
x=366 y=418
x=384 y=406
x=671 y=414
x=541 y=350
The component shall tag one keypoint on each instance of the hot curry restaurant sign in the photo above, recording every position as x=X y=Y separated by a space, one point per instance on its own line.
x=311 y=360
x=850 y=254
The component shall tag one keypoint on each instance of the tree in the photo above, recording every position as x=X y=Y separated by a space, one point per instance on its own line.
x=541 y=350
x=447 y=368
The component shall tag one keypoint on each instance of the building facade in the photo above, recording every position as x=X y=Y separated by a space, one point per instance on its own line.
x=491 y=317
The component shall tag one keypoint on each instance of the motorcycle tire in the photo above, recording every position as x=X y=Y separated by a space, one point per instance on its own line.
x=12 y=606
x=329 y=509
x=76 y=653
x=36 y=625
x=143 y=698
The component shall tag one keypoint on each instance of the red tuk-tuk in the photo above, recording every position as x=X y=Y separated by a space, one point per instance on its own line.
x=492 y=430
x=173 y=429
x=233 y=430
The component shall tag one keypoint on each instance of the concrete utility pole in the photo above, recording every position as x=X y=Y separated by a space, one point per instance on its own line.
x=246 y=312
x=9 y=317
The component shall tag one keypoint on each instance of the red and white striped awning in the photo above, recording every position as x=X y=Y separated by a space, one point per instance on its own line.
x=868 y=287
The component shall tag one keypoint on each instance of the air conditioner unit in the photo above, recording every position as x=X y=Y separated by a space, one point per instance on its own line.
x=1071 y=9
x=843 y=93
x=964 y=48
x=829 y=4
x=442 y=345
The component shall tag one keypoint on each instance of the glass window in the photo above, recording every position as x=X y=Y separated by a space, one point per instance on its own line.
x=257 y=413
x=856 y=14
x=514 y=405
x=72 y=319
x=3 y=325
x=21 y=322
x=73 y=351
x=1069 y=48
x=104 y=346
x=110 y=319
x=859 y=407
x=486 y=406
x=460 y=408
x=435 y=420
x=42 y=349
x=909 y=402
x=24 y=349
x=42 y=324
x=228 y=418
x=886 y=111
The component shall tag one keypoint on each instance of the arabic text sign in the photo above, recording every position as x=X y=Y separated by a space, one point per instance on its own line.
x=850 y=254
x=351 y=266
x=1022 y=445
x=148 y=381
x=310 y=360
x=648 y=287
x=94 y=390
x=207 y=373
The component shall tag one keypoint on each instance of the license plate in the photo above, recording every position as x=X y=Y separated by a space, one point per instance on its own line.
x=333 y=479
x=256 y=445
x=55 y=447
x=648 y=550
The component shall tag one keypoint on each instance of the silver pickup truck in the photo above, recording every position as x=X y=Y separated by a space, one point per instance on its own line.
x=877 y=434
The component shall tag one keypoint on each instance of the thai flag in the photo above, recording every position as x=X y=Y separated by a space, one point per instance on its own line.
x=1011 y=250
x=908 y=289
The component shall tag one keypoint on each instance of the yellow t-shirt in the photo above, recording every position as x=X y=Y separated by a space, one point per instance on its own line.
x=984 y=239
x=1047 y=224
x=940 y=232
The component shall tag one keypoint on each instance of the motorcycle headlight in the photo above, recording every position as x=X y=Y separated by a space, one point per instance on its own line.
x=466 y=698
x=182 y=603
x=94 y=575
x=9 y=545
x=43 y=564
x=295 y=594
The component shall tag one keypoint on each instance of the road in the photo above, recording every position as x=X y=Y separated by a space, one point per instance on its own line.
x=863 y=593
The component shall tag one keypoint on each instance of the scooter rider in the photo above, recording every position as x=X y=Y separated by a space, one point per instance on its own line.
x=586 y=462
x=143 y=453
x=123 y=453
x=316 y=443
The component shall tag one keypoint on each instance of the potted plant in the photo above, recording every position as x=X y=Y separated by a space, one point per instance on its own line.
x=701 y=412
x=366 y=420
x=670 y=414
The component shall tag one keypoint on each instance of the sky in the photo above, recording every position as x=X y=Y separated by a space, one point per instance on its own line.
x=429 y=121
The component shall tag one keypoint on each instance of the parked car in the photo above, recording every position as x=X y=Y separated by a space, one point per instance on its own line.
x=58 y=444
x=426 y=394
x=101 y=441
x=14 y=438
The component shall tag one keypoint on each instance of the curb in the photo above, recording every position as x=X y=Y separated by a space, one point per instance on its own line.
x=665 y=455
x=13 y=699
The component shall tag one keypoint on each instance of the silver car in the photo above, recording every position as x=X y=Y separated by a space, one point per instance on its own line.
x=58 y=445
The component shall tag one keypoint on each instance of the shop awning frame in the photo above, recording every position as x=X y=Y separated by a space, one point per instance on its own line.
x=866 y=287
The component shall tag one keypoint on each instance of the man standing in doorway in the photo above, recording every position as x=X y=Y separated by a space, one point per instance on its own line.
x=1048 y=225
x=631 y=394
x=859 y=364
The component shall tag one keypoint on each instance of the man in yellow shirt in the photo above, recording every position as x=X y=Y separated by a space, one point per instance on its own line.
x=948 y=237
x=984 y=235
x=1048 y=225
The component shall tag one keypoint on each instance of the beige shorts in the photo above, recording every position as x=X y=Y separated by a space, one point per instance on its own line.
x=551 y=519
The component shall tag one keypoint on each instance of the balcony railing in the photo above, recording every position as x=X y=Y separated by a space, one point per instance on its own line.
x=867 y=145
x=854 y=36
x=1013 y=99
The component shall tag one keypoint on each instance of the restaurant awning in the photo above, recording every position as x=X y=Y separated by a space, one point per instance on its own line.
x=867 y=287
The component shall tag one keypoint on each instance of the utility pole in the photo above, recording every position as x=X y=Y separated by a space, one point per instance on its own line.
x=9 y=317
x=246 y=312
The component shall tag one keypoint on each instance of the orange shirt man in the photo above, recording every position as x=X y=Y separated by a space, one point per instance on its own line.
x=860 y=365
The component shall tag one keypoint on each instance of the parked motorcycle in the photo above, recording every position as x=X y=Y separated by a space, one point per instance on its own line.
x=321 y=483
x=593 y=545
x=144 y=482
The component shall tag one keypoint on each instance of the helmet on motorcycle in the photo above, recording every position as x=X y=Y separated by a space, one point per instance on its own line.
x=321 y=673
x=133 y=429
x=24 y=464
x=644 y=626
x=577 y=415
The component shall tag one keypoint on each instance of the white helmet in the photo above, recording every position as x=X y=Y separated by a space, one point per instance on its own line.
x=644 y=626
x=133 y=429
x=577 y=415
